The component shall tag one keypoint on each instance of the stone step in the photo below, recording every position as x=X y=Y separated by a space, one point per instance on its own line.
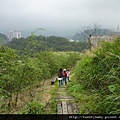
x=64 y=97
x=65 y=107
x=74 y=108
x=61 y=93
x=69 y=99
x=62 y=88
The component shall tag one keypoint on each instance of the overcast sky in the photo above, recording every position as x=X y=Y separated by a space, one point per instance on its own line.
x=58 y=14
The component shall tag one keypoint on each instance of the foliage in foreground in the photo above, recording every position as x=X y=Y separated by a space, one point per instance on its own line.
x=33 y=107
x=99 y=75
x=19 y=72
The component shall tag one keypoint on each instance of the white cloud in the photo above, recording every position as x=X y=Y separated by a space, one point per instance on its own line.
x=67 y=14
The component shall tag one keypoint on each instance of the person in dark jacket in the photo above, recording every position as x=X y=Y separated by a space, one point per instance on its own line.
x=60 y=77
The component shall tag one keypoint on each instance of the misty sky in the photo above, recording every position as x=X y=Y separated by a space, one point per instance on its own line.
x=58 y=14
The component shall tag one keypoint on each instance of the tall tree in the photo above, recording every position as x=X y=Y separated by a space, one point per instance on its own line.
x=89 y=31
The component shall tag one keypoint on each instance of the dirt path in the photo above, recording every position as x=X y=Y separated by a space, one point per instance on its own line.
x=62 y=96
x=42 y=93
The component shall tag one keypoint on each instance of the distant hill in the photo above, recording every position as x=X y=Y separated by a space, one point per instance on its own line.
x=3 y=39
x=49 y=32
x=39 y=43
x=79 y=36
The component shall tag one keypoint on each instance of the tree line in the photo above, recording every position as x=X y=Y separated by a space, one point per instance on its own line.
x=41 y=43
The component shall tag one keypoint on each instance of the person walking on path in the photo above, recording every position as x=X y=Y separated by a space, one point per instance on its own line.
x=60 y=77
x=64 y=76
x=68 y=76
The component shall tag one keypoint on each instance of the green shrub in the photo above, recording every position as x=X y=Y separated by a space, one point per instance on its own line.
x=100 y=71
x=33 y=108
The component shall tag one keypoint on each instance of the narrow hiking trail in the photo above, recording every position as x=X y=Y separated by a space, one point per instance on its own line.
x=66 y=104
x=65 y=100
x=43 y=94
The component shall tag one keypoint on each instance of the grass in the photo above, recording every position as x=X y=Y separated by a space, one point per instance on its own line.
x=85 y=100
x=96 y=84
x=50 y=108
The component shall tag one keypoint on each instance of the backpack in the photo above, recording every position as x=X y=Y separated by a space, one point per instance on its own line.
x=60 y=74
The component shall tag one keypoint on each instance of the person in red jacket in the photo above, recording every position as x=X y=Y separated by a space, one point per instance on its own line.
x=64 y=76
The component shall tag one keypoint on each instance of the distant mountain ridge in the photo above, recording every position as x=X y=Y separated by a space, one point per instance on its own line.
x=79 y=36
x=69 y=34
x=49 y=32
x=60 y=32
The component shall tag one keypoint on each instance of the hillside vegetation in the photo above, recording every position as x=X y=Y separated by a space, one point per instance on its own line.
x=40 y=43
x=19 y=72
x=96 y=84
